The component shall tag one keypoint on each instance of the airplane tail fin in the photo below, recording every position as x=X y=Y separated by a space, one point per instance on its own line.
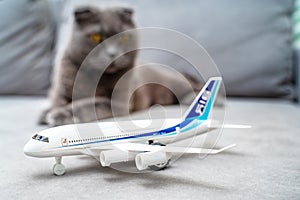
x=204 y=101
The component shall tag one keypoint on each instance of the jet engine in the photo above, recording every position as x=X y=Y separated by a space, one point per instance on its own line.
x=144 y=160
x=109 y=157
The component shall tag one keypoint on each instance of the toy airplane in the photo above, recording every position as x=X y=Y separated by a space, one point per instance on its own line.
x=112 y=144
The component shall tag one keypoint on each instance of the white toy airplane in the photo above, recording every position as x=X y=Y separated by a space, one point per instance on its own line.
x=112 y=144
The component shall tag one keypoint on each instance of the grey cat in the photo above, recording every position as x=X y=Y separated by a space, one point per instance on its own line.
x=79 y=94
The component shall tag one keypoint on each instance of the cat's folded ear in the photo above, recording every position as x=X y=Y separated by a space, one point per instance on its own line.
x=84 y=15
x=125 y=14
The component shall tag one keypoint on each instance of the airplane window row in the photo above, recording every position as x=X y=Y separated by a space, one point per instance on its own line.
x=40 y=138
x=103 y=138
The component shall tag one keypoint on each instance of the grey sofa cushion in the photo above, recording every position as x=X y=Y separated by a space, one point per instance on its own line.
x=264 y=164
x=250 y=40
x=26 y=43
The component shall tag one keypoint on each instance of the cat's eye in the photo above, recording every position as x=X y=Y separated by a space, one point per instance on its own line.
x=124 y=38
x=95 y=37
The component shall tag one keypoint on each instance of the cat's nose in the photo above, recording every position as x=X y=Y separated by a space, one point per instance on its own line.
x=111 y=51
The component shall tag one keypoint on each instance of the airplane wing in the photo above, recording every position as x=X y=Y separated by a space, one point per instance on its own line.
x=169 y=149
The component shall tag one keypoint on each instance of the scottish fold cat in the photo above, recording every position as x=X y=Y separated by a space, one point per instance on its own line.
x=79 y=94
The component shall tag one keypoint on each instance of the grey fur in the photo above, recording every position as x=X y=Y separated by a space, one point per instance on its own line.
x=89 y=99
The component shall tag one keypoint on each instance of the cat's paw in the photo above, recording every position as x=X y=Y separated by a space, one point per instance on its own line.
x=59 y=116
x=42 y=118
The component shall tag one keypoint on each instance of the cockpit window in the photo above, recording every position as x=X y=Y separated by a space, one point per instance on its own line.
x=40 y=138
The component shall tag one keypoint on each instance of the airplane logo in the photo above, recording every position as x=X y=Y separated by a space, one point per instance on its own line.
x=64 y=141
x=202 y=102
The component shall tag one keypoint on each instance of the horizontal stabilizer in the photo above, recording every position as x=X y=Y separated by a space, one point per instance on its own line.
x=217 y=124
x=236 y=126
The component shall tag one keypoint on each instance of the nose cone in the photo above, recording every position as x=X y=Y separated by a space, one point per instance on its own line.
x=33 y=148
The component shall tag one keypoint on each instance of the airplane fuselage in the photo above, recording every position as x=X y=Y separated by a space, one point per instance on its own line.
x=76 y=139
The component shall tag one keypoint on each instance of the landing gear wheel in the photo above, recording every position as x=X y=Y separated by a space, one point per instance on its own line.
x=59 y=169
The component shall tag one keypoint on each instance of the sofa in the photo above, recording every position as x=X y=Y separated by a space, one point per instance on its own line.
x=251 y=42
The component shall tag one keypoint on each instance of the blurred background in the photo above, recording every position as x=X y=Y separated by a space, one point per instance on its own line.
x=250 y=42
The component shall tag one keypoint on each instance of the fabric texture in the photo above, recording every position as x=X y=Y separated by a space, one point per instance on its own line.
x=250 y=41
x=264 y=164
x=26 y=47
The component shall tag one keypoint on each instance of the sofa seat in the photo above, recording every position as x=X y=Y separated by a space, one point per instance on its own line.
x=265 y=163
